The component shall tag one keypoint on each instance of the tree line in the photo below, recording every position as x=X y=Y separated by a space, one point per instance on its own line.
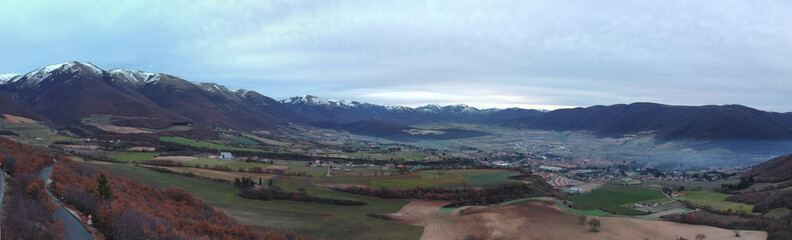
x=247 y=188
x=459 y=197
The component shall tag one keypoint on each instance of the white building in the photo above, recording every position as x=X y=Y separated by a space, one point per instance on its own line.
x=226 y=156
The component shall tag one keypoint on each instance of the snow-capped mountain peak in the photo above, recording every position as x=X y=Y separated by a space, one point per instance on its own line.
x=35 y=77
x=134 y=76
x=320 y=101
x=8 y=77
x=212 y=87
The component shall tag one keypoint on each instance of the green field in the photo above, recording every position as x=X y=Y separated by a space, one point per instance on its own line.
x=716 y=201
x=489 y=178
x=28 y=132
x=614 y=197
x=690 y=186
x=196 y=143
x=433 y=178
x=320 y=220
x=134 y=157
x=244 y=140
x=233 y=164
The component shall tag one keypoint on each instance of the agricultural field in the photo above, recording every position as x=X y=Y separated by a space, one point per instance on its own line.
x=346 y=222
x=540 y=219
x=716 y=200
x=244 y=140
x=30 y=130
x=430 y=178
x=233 y=164
x=616 y=197
x=134 y=157
x=217 y=174
x=203 y=144
x=690 y=185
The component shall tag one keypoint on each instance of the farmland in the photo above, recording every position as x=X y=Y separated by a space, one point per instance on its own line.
x=539 y=219
x=716 y=200
x=346 y=222
x=203 y=144
x=428 y=178
x=614 y=197
x=134 y=157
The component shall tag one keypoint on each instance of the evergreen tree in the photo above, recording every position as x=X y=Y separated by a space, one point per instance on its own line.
x=103 y=189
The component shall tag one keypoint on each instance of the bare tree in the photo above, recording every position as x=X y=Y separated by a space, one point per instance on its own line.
x=594 y=224
x=700 y=236
x=736 y=233
x=582 y=220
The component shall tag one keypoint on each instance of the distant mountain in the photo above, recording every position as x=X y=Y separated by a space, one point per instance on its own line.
x=344 y=111
x=774 y=170
x=669 y=122
x=67 y=92
x=383 y=129
x=64 y=94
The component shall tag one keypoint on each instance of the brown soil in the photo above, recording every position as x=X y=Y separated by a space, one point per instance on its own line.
x=18 y=119
x=141 y=149
x=120 y=130
x=542 y=220
x=418 y=212
x=176 y=158
x=86 y=147
x=277 y=167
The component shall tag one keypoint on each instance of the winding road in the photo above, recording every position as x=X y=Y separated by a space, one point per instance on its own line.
x=2 y=195
x=71 y=222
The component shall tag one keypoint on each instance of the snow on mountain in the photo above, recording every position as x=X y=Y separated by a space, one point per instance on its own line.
x=320 y=101
x=136 y=77
x=325 y=102
x=396 y=108
x=212 y=87
x=8 y=77
x=35 y=77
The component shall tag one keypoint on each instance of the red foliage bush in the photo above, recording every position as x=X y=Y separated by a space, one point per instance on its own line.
x=137 y=211
x=28 y=211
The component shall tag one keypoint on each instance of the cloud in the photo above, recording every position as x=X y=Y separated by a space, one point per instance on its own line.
x=503 y=53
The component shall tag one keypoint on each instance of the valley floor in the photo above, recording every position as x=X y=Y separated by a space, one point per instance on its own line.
x=540 y=219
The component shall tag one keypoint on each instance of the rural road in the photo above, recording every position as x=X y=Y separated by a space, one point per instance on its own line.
x=2 y=195
x=669 y=197
x=72 y=224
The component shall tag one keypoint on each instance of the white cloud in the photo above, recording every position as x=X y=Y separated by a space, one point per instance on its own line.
x=510 y=53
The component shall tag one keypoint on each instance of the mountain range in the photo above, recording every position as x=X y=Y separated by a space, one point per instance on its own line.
x=63 y=94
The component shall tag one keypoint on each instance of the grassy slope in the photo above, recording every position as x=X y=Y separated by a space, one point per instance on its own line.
x=134 y=157
x=233 y=164
x=716 y=201
x=612 y=197
x=333 y=222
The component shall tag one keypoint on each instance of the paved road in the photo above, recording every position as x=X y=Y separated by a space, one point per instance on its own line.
x=76 y=229
x=2 y=194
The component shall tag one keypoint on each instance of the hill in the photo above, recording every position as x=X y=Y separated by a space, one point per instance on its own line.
x=66 y=93
x=383 y=129
x=668 y=122
x=344 y=111
x=539 y=219
x=774 y=170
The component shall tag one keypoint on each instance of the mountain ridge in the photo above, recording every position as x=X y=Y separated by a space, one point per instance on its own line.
x=63 y=94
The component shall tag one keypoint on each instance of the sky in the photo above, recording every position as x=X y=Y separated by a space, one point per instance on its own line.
x=530 y=54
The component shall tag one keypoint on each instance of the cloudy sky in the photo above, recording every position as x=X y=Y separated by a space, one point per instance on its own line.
x=534 y=54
